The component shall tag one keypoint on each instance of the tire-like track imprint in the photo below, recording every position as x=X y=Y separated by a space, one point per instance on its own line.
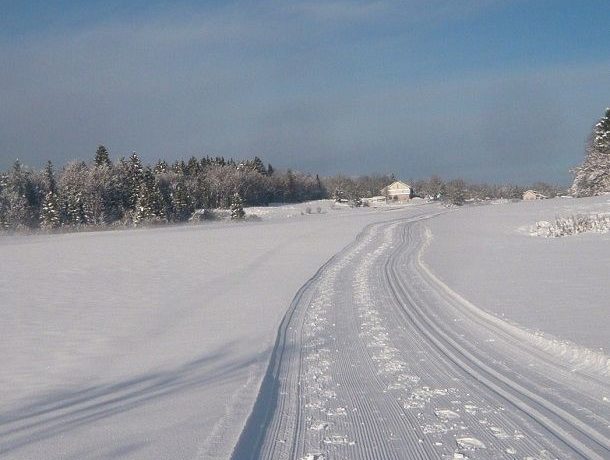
x=375 y=361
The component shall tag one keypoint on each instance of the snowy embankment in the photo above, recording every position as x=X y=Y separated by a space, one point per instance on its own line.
x=557 y=288
x=150 y=343
x=572 y=225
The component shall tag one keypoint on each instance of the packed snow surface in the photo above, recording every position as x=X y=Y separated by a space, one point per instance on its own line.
x=378 y=359
x=151 y=343
x=338 y=333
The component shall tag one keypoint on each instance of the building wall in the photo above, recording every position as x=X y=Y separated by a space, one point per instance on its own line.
x=398 y=191
x=529 y=195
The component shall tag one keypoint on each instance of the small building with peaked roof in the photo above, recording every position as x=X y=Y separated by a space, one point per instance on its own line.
x=529 y=195
x=397 y=192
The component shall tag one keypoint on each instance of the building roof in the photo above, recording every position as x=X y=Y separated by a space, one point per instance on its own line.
x=397 y=187
x=534 y=192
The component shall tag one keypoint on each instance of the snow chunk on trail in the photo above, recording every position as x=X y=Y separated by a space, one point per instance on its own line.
x=446 y=414
x=313 y=457
x=470 y=443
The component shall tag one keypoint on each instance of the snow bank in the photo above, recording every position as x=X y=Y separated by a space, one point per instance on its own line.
x=572 y=225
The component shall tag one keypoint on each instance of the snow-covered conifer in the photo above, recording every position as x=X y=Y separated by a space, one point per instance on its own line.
x=161 y=167
x=593 y=176
x=259 y=166
x=49 y=176
x=182 y=202
x=50 y=216
x=102 y=158
x=237 y=207
x=134 y=178
x=149 y=205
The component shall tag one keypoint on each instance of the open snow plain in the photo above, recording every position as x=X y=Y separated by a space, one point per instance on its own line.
x=153 y=344
x=557 y=285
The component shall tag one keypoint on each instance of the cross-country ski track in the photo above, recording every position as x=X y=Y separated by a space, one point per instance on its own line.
x=377 y=359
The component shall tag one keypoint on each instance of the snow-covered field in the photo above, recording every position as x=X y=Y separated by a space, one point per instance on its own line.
x=150 y=343
x=431 y=333
x=378 y=359
x=557 y=285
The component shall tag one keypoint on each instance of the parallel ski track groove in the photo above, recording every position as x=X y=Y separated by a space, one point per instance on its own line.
x=517 y=395
x=276 y=427
x=260 y=421
x=501 y=331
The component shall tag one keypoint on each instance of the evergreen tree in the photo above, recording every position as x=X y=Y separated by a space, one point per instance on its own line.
x=161 y=167
x=291 y=188
x=320 y=190
x=149 y=205
x=4 y=202
x=593 y=176
x=135 y=176
x=259 y=166
x=105 y=194
x=144 y=208
x=192 y=167
x=601 y=133
x=24 y=202
x=182 y=202
x=269 y=169
x=50 y=178
x=50 y=216
x=78 y=212
x=15 y=213
x=179 y=167
x=237 y=207
x=75 y=199
x=102 y=158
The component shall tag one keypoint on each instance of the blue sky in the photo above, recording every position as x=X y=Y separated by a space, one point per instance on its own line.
x=487 y=90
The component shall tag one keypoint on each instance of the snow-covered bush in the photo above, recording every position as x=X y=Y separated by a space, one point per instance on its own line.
x=565 y=226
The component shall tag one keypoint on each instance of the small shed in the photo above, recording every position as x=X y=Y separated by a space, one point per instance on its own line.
x=398 y=191
x=533 y=195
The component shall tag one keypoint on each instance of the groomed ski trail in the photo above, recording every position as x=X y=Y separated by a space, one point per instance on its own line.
x=376 y=359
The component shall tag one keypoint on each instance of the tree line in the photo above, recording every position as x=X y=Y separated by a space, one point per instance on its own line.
x=127 y=192
x=455 y=191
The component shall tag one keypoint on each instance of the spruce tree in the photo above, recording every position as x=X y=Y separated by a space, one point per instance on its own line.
x=77 y=211
x=182 y=202
x=134 y=179
x=4 y=202
x=291 y=188
x=50 y=216
x=237 y=207
x=24 y=202
x=49 y=176
x=259 y=166
x=192 y=167
x=593 y=176
x=161 y=167
x=143 y=212
x=320 y=191
x=149 y=205
x=102 y=158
